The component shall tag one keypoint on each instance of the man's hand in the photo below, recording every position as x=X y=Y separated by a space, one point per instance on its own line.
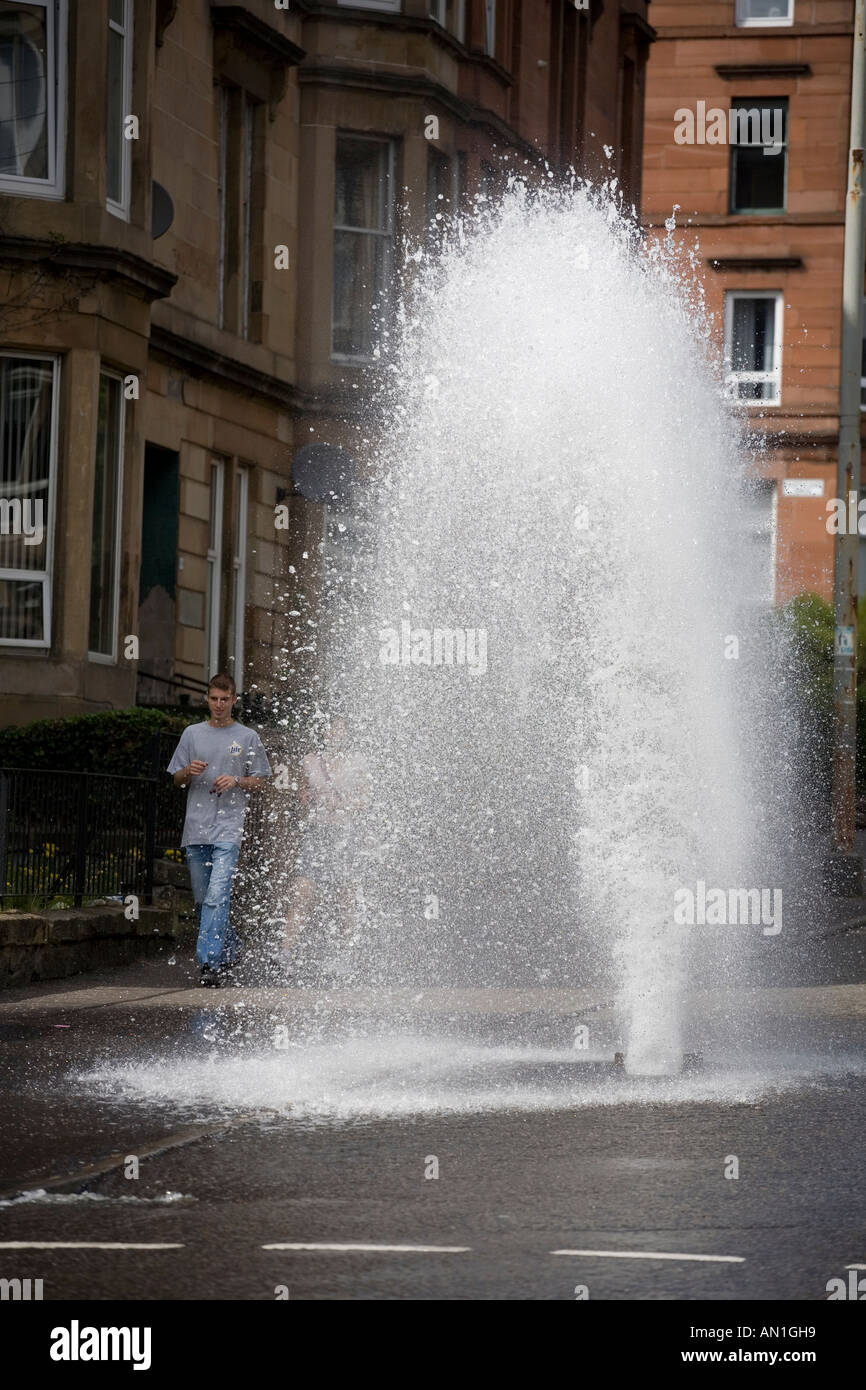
x=224 y=784
x=186 y=774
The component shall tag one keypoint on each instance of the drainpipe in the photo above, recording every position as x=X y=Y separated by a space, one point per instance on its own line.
x=846 y=868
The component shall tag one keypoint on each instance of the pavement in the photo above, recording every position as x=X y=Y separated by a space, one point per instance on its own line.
x=164 y=1142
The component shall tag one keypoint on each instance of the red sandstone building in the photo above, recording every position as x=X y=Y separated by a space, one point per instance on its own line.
x=769 y=227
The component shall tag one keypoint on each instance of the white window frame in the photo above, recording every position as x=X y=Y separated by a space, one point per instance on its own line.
x=387 y=234
x=54 y=186
x=121 y=208
x=733 y=378
x=746 y=21
x=110 y=658
x=214 y=568
x=490 y=28
x=46 y=576
x=239 y=575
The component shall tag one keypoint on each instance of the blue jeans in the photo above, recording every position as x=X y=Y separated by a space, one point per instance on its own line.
x=211 y=870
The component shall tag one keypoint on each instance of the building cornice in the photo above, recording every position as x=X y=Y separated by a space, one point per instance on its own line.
x=149 y=280
x=253 y=31
x=192 y=354
x=759 y=439
x=686 y=221
x=407 y=85
x=738 y=263
x=734 y=72
x=630 y=19
x=195 y=357
x=729 y=31
x=415 y=23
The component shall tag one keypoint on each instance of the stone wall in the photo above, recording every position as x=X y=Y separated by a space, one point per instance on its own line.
x=52 y=945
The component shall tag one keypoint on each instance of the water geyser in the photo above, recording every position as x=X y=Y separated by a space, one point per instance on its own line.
x=548 y=650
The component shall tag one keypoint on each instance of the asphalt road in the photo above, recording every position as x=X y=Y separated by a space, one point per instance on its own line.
x=459 y=1125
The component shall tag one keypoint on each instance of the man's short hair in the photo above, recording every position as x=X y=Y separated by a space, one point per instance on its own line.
x=222 y=682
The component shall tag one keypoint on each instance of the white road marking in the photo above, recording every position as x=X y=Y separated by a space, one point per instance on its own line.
x=651 y=1255
x=398 y=1249
x=85 y=1245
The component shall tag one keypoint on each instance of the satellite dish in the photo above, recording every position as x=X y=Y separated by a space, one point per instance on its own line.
x=162 y=211
x=324 y=473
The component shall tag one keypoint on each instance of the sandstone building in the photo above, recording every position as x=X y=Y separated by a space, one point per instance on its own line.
x=199 y=205
x=767 y=224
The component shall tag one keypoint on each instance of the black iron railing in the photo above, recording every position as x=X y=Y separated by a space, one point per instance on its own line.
x=170 y=800
x=76 y=835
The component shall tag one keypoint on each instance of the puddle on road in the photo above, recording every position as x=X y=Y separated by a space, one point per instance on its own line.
x=39 y=1196
x=391 y=1076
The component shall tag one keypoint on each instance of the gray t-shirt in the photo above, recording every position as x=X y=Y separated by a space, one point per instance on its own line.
x=218 y=818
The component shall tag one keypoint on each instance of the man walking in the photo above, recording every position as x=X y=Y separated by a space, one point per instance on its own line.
x=221 y=762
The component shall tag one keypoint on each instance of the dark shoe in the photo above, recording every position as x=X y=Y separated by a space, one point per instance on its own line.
x=210 y=977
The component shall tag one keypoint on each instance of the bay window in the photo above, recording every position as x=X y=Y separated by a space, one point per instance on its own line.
x=32 y=97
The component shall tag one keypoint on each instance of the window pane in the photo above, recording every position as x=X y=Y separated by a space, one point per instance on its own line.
x=22 y=610
x=246 y=213
x=757 y=166
x=361 y=185
x=753 y=346
x=115 y=11
x=222 y=200
x=116 y=45
x=235 y=643
x=490 y=27
x=764 y=9
x=362 y=258
x=360 y=268
x=24 y=81
x=106 y=485
x=214 y=570
x=25 y=462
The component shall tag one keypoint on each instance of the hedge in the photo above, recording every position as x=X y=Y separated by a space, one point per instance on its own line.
x=116 y=741
x=810 y=622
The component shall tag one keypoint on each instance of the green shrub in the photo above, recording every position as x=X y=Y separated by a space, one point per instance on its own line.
x=116 y=741
x=810 y=621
